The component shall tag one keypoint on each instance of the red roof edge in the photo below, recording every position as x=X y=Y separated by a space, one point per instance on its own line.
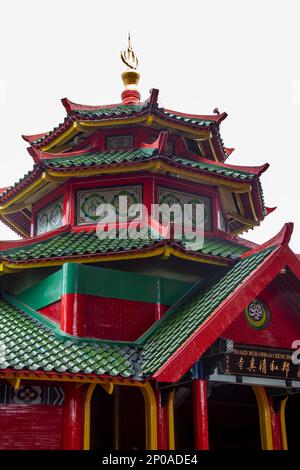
x=209 y=117
x=254 y=170
x=39 y=155
x=30 y=138
x=281 y=239
x=70 y=106
x=4 y=189
x=269 y=210
x=229 y=150
x=214 y=326
x=8 y=244
x=159 y=143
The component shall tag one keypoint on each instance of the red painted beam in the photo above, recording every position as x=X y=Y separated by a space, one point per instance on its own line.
x=200 y=414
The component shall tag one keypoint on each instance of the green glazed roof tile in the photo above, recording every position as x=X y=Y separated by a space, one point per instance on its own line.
x=112 y=111
x=113 y=157
x=32 y=345
x=186 y=119
x=45 y=352
x=87 y=243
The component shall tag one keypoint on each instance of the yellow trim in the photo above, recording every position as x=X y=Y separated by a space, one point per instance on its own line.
x=94 y=259
x=87 y=417
x=200 y=133
x=167 y=253
x=264 y=417
x=148 y=394
x=150 y=254
x=83 y=125
x=240 y=205
x=148 y=119
x=17 y=208
x=171 y=423
x=80 y=379
x=212 y=149
x=15 y=383
x=200 y=259
x=283 y=434
x=63 y=137
x=157 y=166
x=109 y=388
x=151 y=416
x=100 y=171
x=27 y=191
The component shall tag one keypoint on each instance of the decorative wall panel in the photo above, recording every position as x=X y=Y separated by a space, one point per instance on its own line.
x=50 y=217
x=89 y=201
x=170 y=197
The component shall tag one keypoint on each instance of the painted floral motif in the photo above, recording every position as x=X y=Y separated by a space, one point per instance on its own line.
x=31 y=394
x=89 y=201
x=28 y=394
x=166 y=196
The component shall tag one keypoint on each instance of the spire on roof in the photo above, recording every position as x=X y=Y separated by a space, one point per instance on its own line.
x=130 y=76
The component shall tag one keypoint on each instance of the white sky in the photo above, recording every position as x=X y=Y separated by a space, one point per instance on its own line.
x=242 y=56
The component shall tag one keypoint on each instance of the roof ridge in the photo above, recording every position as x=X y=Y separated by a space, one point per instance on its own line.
x=282 y=238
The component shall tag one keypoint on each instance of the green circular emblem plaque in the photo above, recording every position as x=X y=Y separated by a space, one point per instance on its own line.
x=90 y=205
x=257 y=314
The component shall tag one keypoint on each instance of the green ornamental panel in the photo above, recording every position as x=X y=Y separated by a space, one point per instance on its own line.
x=50 y=217
x=89 y=202
x=186 y=201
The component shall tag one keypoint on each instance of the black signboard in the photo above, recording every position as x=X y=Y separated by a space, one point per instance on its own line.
x=259 y=362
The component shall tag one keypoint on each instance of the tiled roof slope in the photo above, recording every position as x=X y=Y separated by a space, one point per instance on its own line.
x=114 y=157
x=31 y=345
x=191 y=311
x=121 y=111
x=83 y=243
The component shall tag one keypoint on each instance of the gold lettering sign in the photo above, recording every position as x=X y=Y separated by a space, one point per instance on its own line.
x=259 y=362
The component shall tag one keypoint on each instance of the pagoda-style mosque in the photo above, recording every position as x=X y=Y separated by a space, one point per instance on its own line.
x=143 y=342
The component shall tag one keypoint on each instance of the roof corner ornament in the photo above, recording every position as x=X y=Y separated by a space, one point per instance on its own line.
x=131 y=76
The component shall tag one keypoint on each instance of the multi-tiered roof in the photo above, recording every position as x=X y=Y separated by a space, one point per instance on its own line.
x=166 y=144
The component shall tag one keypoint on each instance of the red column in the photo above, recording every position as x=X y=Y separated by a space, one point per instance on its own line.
x=72 y=420
x=275 y=423
x=72 y=300
x=162 y=421
x=200 y=414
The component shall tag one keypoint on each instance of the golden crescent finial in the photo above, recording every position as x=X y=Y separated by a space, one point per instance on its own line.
x=129 y=57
